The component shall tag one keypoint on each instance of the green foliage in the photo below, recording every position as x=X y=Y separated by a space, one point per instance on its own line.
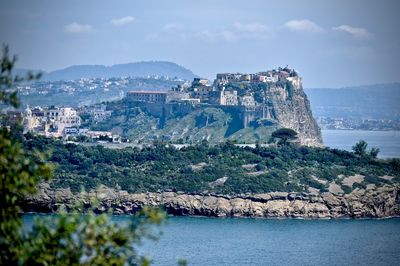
x=374 y=152
x=360 y=148
x=76 y=239
x=65 y=239
x=8 y=95
x=284 y=135
x=20 y=172
x=163 y=167
x=261 y=166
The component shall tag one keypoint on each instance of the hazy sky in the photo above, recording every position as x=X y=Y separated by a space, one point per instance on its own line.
x=331 y=43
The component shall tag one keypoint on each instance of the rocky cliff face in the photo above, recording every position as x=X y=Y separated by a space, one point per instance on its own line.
x=291 y=109
x=376 y=203
x=286 y=105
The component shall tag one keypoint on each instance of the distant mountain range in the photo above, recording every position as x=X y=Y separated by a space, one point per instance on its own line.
x=138 y=69
x=379 y=101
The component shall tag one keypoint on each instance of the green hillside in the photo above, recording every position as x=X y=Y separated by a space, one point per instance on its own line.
x=200 y=123
x=224 y=168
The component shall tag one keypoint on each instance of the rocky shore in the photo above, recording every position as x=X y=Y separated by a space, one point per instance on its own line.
x=379 y=202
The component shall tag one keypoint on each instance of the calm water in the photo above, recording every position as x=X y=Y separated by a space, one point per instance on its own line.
x=211 y=241
x=217 y=241
x=387 y=141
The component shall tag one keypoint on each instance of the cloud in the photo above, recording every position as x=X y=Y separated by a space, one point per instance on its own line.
x=235 y=32
x=78 y=28
x=303 y=25
x=227 y=35
x=152 y=36
x=122 y=21
x=254 y=30
x=251 y=27
x=238 y=31
x=176 y=30
x=213 y=36
x=172 y=27
x=355 y=32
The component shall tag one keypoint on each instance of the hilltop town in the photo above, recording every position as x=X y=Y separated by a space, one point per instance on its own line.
x=88 y=91
x=221 y=91
x=261 y=101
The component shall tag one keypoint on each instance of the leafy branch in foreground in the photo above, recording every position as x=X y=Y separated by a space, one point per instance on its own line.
x=63 y=239
x=76 y=239
x=8 y=95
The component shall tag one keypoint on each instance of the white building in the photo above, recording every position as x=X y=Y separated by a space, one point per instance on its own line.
x=62 y=117
x=59 y=118
x=248 y=100
x=177 y=96
x=228 y=98
x=34 y=120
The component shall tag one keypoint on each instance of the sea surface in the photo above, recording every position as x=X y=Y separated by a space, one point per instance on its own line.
x=242 y=241
x=387 y=141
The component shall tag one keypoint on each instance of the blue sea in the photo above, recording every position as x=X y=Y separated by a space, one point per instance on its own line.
x=245 y=241
x=387 y=141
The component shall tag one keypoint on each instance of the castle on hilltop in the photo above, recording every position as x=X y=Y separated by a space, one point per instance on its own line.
x=245 y=93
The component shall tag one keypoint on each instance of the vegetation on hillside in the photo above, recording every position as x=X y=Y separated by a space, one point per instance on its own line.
x=191 y=169
x=360 y=148
x=284 y=135
x=202 y=122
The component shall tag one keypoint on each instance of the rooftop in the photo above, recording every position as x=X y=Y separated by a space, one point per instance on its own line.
x=148 y=92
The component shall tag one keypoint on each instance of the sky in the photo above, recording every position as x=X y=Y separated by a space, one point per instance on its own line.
x=331 y=43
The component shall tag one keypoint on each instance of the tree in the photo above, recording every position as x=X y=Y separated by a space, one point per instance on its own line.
x=360 y=148
x=374 y=152
x=66 y=239
x=284 y=135
x=19 y=170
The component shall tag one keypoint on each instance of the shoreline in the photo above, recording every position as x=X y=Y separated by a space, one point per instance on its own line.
x=238 y=217
x=383 y=202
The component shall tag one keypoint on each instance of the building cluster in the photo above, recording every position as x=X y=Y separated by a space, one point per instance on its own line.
x=50 y=121
x=87 y=91
x=147 y=96
x=85 y=85
x=268 y=76
x=200 y=91
x=96 y=113
x=349 y=123
x=69 y=123
x=63 y=122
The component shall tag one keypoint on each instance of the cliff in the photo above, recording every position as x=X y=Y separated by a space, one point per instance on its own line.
x=291 y=108
x=371 y=203
x=284 y=105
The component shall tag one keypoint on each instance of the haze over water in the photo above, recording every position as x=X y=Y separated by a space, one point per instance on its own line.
x=387 y=141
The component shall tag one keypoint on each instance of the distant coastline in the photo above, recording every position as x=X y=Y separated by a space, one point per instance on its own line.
x=388 y=141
